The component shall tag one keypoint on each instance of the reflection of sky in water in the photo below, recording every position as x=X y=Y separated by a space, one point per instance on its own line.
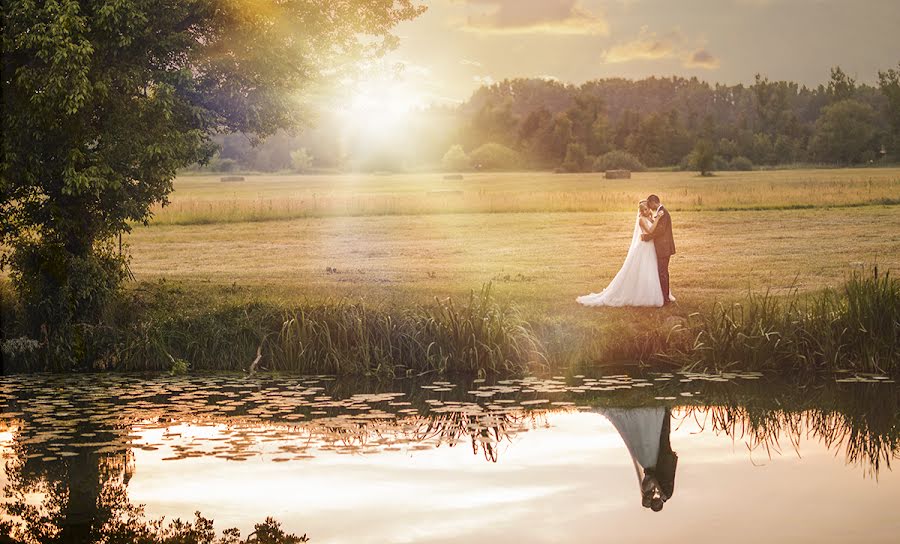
x=573 y=482
x=350 y=462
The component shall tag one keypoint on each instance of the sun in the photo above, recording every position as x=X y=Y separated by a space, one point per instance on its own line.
x=378 y=109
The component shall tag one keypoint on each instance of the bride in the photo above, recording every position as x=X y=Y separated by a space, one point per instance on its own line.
x=637 y=283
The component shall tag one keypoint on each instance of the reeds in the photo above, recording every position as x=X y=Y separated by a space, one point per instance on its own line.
x=479 y=336
x=855 y=328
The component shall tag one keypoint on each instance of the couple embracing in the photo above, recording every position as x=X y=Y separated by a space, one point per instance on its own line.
x=644 y=277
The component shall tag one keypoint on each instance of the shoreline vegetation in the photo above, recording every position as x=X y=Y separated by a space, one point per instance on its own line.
x=177 y=328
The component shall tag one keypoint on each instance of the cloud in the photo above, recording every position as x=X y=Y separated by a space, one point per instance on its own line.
x=483 y=80
x=702 y=58
x=532 y=17
x=468 y=62
x=647 y=46
x=651 y=46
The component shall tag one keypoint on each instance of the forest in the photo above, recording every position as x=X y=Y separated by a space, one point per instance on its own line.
x=658 y=122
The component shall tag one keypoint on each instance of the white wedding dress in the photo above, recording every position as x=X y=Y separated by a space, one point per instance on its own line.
x=637 y=283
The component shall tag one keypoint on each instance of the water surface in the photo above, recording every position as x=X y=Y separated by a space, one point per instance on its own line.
x=575 y=459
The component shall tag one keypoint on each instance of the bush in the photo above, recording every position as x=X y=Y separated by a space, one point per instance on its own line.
x=301 y=160
x=576 y=159
x=494 y=156
x=741 y=163
x=218 y=164
x=455 y=159
x=618 y=160
x=703 y=157
x=844 y=132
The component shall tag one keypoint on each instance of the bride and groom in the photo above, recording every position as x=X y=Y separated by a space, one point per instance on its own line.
x=643 y=279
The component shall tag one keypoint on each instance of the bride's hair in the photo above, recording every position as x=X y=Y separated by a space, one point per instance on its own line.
x=642 y=205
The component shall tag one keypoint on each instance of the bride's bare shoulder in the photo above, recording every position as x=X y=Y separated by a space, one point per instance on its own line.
x=645 y=224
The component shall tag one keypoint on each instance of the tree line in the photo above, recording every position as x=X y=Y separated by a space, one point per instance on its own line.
x=655 y=122
x=664 y=121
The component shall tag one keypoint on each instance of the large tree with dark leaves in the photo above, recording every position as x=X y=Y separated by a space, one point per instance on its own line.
x=104 y=100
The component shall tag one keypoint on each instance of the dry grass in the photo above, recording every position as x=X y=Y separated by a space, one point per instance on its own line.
x=542 y=261
x=204 y=199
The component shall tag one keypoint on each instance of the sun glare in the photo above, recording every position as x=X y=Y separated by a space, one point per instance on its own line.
x=378 y=109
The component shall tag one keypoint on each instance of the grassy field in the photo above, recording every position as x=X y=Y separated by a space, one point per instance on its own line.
x=205 y=199
x=540 y=259
x=236 y=274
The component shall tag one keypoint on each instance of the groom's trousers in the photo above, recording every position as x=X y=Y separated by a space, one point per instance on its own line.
x=663 y=265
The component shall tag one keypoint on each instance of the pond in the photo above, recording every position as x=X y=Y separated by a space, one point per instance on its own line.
x=619 y=458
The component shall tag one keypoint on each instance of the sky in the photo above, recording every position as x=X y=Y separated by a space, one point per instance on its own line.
x=458 y=45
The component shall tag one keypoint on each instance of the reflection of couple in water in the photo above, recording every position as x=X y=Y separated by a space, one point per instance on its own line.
x=645 y=432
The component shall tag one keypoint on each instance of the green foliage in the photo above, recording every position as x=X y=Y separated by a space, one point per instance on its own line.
x=844 y=133
x=494 y=156
x=889 y=83
x=104 y=101
x=218 y=164
x=156 y=328
x=841 y=86
x=455 y=159
x=856 y=328
x=577 y=159
x=741 y=163
x=618 y=160
x=703 y=157
x=301 y=160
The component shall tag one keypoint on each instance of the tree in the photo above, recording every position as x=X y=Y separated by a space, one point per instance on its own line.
x=455 y=159
x=703 y=157
x=576 y=159
x=104 y=100
x=844 y=132
x=618 y=160
x=494 y=156
x=841 y=86
x=889 y=83
x=301 y=160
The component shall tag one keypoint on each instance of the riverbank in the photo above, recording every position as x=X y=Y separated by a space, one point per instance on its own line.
x=182 y=328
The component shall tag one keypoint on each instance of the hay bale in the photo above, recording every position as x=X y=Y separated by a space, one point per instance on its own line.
x=231 y=178
x=618 y=174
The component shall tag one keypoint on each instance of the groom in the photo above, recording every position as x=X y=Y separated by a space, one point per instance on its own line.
x=663 y=242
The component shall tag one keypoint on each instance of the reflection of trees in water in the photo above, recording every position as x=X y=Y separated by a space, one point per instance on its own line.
x=83 y=498
x=485 y=431
x=80 y=490
x=861 y=421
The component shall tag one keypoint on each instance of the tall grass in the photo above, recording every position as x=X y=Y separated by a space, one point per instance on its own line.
x=855 y=328
x=158 y=328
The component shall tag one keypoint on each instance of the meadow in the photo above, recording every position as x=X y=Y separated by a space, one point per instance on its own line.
x=223 y=279
x=559 y=236
x=202 y=199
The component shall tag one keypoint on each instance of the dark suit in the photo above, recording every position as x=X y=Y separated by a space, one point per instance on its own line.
x=667 y=460
x=664 y=243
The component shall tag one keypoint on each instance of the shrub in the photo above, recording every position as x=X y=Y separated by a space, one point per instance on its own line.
x=703 y=157
x=455 y=159
x=494 y=156
x=618 y=160
x=576 y=159
x=844 y=132
x=741 y=163
x=301 y=160
x=218 y=164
